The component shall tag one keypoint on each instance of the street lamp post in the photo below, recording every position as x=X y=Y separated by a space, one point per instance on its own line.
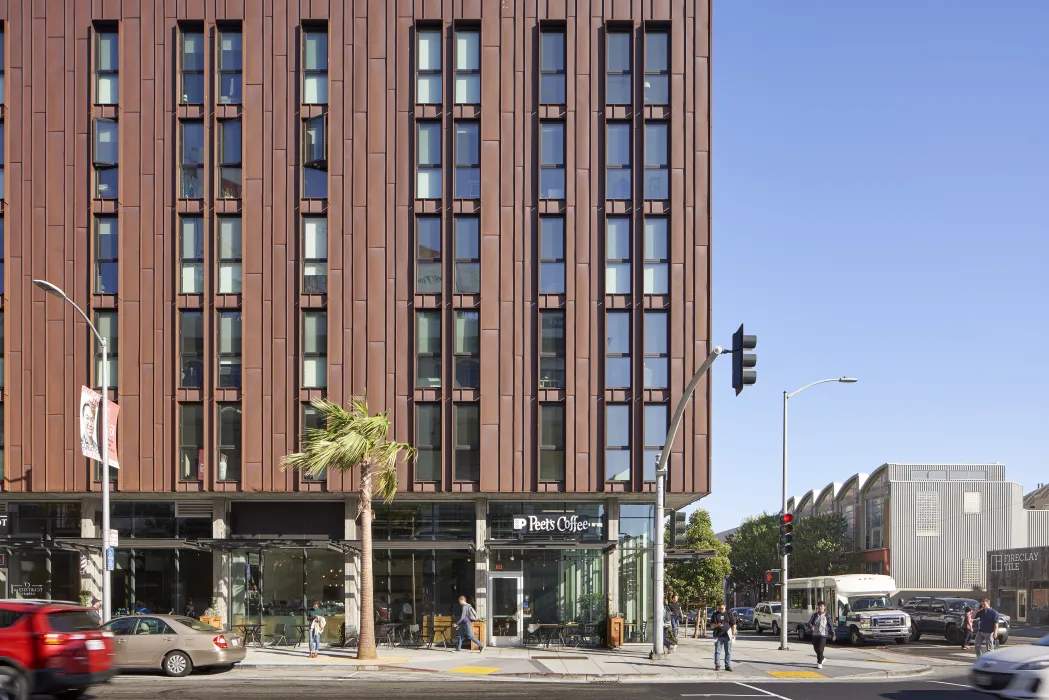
x=784 y=607
x=104 y=379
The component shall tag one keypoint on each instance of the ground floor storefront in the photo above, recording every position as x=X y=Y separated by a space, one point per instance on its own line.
x=1018 y=583
x=525 y=565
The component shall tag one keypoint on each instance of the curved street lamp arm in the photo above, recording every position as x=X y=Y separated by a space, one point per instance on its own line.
x=809 y=386
x=679 y=412
x=54 y=290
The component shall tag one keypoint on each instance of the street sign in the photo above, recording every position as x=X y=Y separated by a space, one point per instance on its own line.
x=110 y=559
x=114 y=539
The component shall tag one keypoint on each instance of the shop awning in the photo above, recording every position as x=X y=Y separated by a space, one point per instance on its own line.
x=82 y=543
x=342 y=546
x=549 y=544
x=422 y=545
x=65 y=544
x=689 y=554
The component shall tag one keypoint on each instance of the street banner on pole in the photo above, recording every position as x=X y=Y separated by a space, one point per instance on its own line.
x=90 y=400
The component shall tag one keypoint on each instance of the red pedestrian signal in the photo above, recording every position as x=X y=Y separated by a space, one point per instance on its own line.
x=773 y=576
x=768 y=577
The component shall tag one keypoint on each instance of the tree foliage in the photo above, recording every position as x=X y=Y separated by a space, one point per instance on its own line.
x=822 y=547
x=700 y=580
x=754 y=550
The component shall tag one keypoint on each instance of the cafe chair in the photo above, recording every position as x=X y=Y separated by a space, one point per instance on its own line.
x=279 y=635
x=531 y=636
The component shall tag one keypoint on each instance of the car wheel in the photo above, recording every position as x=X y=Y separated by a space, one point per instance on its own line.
x=854 y=636
x=800 y=631
x=953 y=635
x=13 y=685
x=1002 y=639
x=915 y=634
x=177 y=664
x=775 y=629
x=757 y=628
x=901 y=640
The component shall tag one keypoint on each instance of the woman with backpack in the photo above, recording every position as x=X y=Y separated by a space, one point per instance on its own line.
x=317 y=623
x=967 y=626
x=466 y=620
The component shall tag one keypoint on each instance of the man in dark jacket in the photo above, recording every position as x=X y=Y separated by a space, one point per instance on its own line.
x=987 y=631
x=723 y=625
x=675 y=614
x=821 y=626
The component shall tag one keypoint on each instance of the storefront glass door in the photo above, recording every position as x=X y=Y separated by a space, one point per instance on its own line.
x=1021 y=606
x=504 y=609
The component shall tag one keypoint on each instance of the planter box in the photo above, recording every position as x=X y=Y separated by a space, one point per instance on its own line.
x=215 y=622
x=479 y=630
x=615 y=632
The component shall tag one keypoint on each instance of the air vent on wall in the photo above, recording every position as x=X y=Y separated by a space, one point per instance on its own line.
x=3 y=507
x=192 y=509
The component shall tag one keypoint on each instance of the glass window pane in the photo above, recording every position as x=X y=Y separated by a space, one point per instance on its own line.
x=229 y=139
x=617 y=183
x=428 y=183
x=467 y=332
x=617 y=89
x=428 y=335
x=553 y=143
x=429 y=89
x=617 y=327
x=314 y=147
x=655 y=371
x=655 y=424
x=552 y=425
x=617 y=465
x=230 y=51
x=656 y=239
x=315 y=237
x=656 y=143
x=551 y=238
x=429 y=55
x=552 y=332
x=467 y=237
x=617 y=373
x=315 y=89
x=657 y=89
x=229 y=238
x=315 y=332
x=618 y=51
x=552 y=88
x=656 y=278
x=229 y=332
x=193 y=51
x=229 y=443
x=650 y=458
x=657 y=184
x=656 y=333
x=468 y=88
x=429 y=143
x=315 y=56
x=656 y=53
x=192 y=143
x=552 y=183
x=467 y=143
x=617 y=425
x=552 y=51
x=618 y=144
x=552 y=278
x=107 y=142
x=618 y=243
x=108 y=51
x=617 y=278
x=467 y=51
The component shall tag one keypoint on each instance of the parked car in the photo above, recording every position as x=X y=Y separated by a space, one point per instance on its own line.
x=1021 y=671
x=173 y=644
x=767 y=616
x=52 y=648
x=945 y=617
x=744 y=618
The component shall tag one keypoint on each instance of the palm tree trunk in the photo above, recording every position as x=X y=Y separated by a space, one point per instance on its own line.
x=366 y=645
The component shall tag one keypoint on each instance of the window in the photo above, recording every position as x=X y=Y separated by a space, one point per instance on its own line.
x=314 y=349
x=315 y=158
x=314 y=255
x=428 y=441
x=191 y=184
x=1 y=251
x=874 y=515
x=617 y=442
x=617 y=255
x=229 y=255
x=191 y=349
x=927 y=514
x=656 y=422
x=312 y=419
x=191 y=250
x=106 y=159
x=428 y=255
x=552 y=67
x=467 y=349
x=467 y=160
x=551 y=349
x=467 y=255
x=968 y=476
x=617 y=161
x=231 y=63
x=229 y=155
x=229 y=349
x=657 y=340
x=106 y=255
x=315 y=66
x=2 y=70
x=428 y=171
x=656 y=277
x=928 y=476
x=971 y=573
x=106 y=325
x=428 y=348
x=551 y=442
x=551 y=255
x=972 y=503
x=107 y=66
x=2 y=159
x=552 y=161
x=617 y=82
x=657 y=170
x=657 y=68
x=191 y=64
x=229 y=442
x=467 y=67
x=428 y=80
x=467 y=441
x=617 y=350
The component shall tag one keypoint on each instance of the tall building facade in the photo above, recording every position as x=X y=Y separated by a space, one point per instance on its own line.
x=492 y=218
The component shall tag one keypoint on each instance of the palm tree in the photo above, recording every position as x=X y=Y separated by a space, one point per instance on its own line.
x=354 y=439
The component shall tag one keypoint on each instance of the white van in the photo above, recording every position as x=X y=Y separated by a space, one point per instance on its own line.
x=862 y=604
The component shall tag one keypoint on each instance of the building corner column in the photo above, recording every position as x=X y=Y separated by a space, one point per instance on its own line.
x=612 y=557
x=221 y=590
x=481 y=559
x=91 y=580
x=352 y=580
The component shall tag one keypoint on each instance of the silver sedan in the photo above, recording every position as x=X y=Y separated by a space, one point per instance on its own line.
x=172 y=643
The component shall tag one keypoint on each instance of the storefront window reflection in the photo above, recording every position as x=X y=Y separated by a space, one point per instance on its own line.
x=421 y=587
x=635 y=570
x=49 y=574
x=162 y=581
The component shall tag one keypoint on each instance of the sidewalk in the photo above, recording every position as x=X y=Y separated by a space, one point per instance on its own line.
x=754 y=660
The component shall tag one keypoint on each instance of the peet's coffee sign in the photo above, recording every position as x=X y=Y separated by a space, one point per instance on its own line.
x=552 y=524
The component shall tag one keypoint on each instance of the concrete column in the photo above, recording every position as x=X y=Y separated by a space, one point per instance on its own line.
x=612 y=558
x=352 y=571
x=96 y=558
x=481 y=559
x=220 y=561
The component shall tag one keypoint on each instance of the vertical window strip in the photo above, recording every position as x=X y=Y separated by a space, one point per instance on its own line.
x=191 y=66
x=107 y=67
x=315 y=66
x=551 y=255
x=617 y=350
x=617 y=442
x=657 y=67
x=467 y=66
x=428 y=67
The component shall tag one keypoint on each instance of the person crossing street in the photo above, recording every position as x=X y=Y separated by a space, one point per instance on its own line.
x=821 y=626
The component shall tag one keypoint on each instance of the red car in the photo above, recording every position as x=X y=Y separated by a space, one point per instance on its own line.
x=53 y=648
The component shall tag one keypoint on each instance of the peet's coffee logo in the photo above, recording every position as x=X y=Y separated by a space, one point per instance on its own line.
x=561 y=525
x=1011 y=562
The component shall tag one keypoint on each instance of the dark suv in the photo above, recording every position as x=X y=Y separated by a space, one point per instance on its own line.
x=945 y=617
x=55 y=648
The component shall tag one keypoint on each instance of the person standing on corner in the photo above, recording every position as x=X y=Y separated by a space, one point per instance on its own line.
x=675 y=615
x=316 y=629
x=821 y=626
x=967 y=628
x=987 y=631
x=466 y=620
x=723 y=625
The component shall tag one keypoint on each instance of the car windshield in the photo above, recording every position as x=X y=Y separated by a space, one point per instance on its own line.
x=960 y=605
x=72 y=621
x=775 y=607
x=870 y=603
x=195 y=624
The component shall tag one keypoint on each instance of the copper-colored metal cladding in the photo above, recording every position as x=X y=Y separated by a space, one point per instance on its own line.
x=371 y=208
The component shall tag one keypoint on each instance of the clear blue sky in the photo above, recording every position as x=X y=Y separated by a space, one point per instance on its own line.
x=880 y=210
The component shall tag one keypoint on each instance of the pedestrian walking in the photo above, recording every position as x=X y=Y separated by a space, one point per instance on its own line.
x=967 y=627
x=821 y=626
x=675 y=615
x=723 y=624
x=316 y=629
x=986 y=619
x=466 y=620
x=191 y=609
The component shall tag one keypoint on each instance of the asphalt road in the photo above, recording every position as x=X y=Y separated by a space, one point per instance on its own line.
x=370 y=687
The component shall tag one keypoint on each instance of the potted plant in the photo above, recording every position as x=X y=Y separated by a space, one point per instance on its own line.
x=85 y=598
x=211 y=615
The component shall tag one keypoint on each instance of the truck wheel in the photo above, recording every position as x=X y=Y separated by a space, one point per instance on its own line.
x=775 y=629
x=757 y=628
x=854 y=636
x=901 y=640
x=953 y=635
x=13 y=685
x=915 y=634
x=1002 y=639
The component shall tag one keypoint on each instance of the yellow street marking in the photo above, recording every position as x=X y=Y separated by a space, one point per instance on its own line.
x=474 y=670
x=795 y=674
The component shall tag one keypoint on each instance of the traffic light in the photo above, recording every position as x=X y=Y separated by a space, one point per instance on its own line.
x=680 y=526
x=773 y=577
x=742 y=362
x=786 y=534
